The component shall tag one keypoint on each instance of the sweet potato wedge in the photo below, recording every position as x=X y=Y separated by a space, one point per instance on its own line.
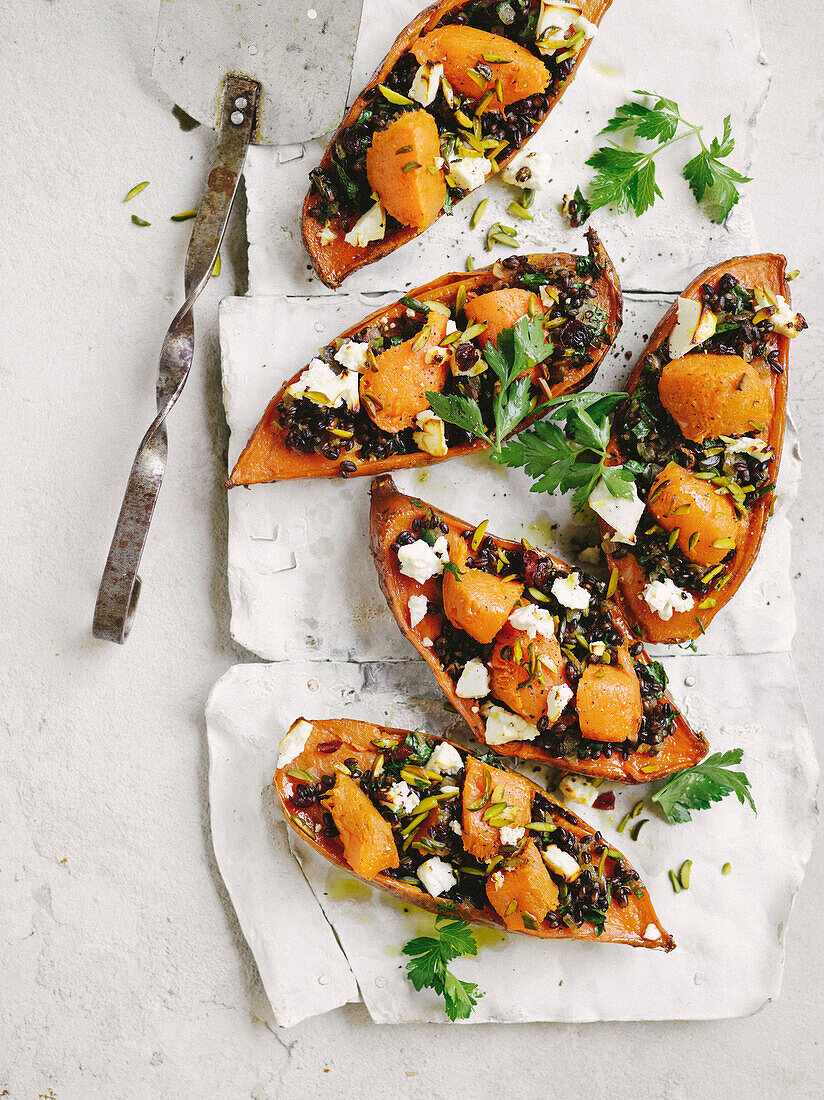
x=711 y=482
x=413 y=196
x=340 y=191
x=594 y=894
x=664 y=744
x=352 y=444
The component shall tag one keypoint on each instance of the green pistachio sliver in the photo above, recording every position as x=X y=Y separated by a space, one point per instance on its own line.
x=482 y=801
x=414 y=304
x=471 y=871
x=484 y=102
x=417 y=820
x=510 y=909
x=673 y=538
x=411 y=165
x=636 y=809
x=613 y=853
x=496 y=59
x=502 y=820
x=426 y=804
x=216 y=268
x=477 y=214
x=623 y=823
x=300 y=824
x=602 y=863
x=613 y=583
x=527 y=197
x=724 y=544
x=139 y=221
x=437 y=307
x=651 y=767
x=636 y=829
x=183 y=216
x=497 y=794
x=460 y=299
x=682 y=510
x=464 y=120
x=138 y=187
x=726 y=869
x=693 y=540
x=476 y=76
x=542 y=826
x=394 y=97
x=676 y=885
x=474 y=330
x=506 y=240
x=499 y=89
x=519 y=211
x=530 y=922
x=452 y=338
x=538 y=595
x=684 y=874
x=493 y=810
x=508 y=230
x=299 y=773
x=470 y=263
x=710 y=601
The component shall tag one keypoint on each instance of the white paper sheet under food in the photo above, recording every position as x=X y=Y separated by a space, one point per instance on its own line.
x=729 y=928
x=301 y=578
x=706 y=55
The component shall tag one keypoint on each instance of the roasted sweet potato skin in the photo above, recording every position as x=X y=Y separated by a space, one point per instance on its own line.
x=391 y=513
x=334 y=262
x=624 y=925
x=266 y=456
x=767 y=270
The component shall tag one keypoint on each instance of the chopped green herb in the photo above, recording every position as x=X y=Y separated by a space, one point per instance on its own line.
x=696 y=788
x=428 y=965
x=138 y=187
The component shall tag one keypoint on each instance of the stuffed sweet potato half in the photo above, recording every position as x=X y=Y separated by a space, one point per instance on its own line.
x=703 y=429
x=533 y=656
x=360 y=407
x=462 y=90
x=437 y=826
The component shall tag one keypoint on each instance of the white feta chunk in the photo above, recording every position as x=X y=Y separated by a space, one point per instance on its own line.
x=320 y=384
x=693 y=325
x=445 y=759
x=746 y=445
x=589 y=28
x=431 y=434
x=511 y=834
x=473 y=682
x=665 y=597
x=417 y=609
x=352 y=355
x=469 y=172
x=425 y=85
x=784 y=321
x=529 y=169
x=502 y=726
x=555 y=20
x=455 y=826
x=327 y=235
x=401 y=799
x=556 y=701
x=450 y=327
x=561 y=862
x=437 y=876
x=533 y=620
x=652 y=932
x=369 y=227
x=420 y=561
x=569 y=593
x=577 y=788
x=621 y=513
x=293 y=744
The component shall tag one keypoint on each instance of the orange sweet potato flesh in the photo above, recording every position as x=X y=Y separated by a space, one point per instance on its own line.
x=391 y=513
x=394 y=389
x=679 y=499
x=502 y=309
x=334 y=261
x=608 y=700
x=509 y=678
x=414 y=196
x=266 y=456
x=712 y=395
x=460 y=48
x=625 y=925
x=477 y=602
x=529 y=885
x=479 y=837
x=367 y=839
x=767 y=270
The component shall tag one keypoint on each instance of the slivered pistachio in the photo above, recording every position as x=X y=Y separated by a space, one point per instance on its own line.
x=602 y=863
x=477 y=214
x=538 y=595
x=508 y=230
x=299 y=823
x=518 y=211
x=452 y=338
x=484 y=102
x=693 y=540
x=475 y=330
x=460 y=298
x=684 y=874
x=183 y=216
x=471 y=871
x=411 y=165
x=499 y=89
x=613 y=583
x=493 y=810
x=652 y=767
x=517 y=651
x=497 y=793
x=682 y=510
x=497 y=59
x=726 y=869
x=464 y=119
x=421 y=338
x=476 y=76
x=623 y=823
x=299 y=773
x=216 y=268
x=636 y=809
x=530 y=922
x=527 y=197
x=139 y=221
x=636 y=829
x=510 y=909
x=482 y=801
x=470 y=263
x=394 y=97
x=676 y=885
x=710 y=601
x=478 y=534
x=724 y=544
x=542 y=826
x=437 y=307
x=417 y=820
x=504 y=818
x=138 y=187
x=414 y=304
x=448 y=94
x=673 y=537
x=426 y=804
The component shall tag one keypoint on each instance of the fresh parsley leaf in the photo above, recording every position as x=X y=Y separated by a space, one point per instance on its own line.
x=619 y=480
x=513 y=407
x=428 y=965
x=710 y=781
x=453 y=568
x=461 y=411
x=655 y=671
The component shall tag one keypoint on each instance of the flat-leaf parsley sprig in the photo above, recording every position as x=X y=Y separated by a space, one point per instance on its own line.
x=626 y=177
x=572 y=457
x=698 y=787
x=428 y=965
x=518 y=350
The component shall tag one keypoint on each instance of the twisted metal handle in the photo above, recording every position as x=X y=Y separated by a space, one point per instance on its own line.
x=120 y=585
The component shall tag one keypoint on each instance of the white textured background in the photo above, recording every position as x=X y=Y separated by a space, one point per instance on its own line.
x=122 y=972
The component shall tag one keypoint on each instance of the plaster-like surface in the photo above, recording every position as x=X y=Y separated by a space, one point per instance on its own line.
x=123 y=971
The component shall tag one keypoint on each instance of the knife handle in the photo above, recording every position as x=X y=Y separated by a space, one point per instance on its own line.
x=120 y=584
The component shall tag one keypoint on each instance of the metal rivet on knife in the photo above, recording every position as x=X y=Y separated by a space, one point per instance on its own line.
x=237 y=117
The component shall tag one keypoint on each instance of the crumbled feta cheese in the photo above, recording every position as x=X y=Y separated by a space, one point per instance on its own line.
x=320 y=384
x=746 y=445
x=352 y=355
x=621 y=513
x=528 y=169
x=445 y=759
x=294 y=742
x=449 y=790
x=424 y=87
x=327 y=235
x=533 y=620
x=590 y=555
x=556 y=18
x=652 y=932
x=503 y=726
x=439 y=162
x=469 y=172
x=569 y=593
x=369 y=227
x=665 y=597
x=450 y=327
x=401 y=799
x=417 y=609
x=420 y=561
x=497 y=880
x=556 y=701
x=561 y=862
x=597 y=649
x=431 y=434
x=437 y=876
x=577 y=788
x=511 y=834
x=474 y=680
x=428 y=643
x=456 y=828
x=784 y=321
x=693 y=325
x=589 y=28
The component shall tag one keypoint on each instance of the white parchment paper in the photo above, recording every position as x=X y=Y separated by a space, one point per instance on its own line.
x=729 y=928
x=706 y=55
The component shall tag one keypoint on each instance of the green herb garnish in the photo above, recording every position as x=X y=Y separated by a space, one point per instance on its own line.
x=428 y=965
x=696 y=788
x=626 y=177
